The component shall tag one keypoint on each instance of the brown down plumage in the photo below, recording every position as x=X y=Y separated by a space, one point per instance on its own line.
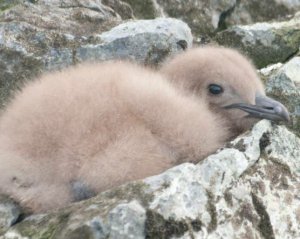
x=71 y=134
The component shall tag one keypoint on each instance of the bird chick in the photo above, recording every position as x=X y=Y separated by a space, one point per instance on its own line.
x=74 y=133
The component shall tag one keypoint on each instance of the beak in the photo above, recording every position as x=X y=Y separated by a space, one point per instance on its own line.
x=264 y=108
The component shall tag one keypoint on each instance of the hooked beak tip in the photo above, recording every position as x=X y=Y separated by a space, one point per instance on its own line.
x=283 y=112
x=264 y=108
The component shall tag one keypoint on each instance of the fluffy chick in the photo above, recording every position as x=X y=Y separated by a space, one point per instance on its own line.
x=74 y=133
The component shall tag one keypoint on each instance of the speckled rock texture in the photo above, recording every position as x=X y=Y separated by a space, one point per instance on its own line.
x=50 y=35
x=210 y=16
x=146 y=41
x=264 y=43
x=249 y=189
x=251 y=11
x=283 y=82
x=204 y=17
x=10 y=212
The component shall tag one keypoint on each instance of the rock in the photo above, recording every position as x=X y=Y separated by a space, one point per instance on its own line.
x=6 y=4
x=252 y=11
x=80 y=17
x=264 y=43
x=51 y=35
x=120 y=7
x=146 y=41
x=204 y=17
x=284 y=85
x=9 y=213
x=147 y=9
x=44 y=36
x=249 y=189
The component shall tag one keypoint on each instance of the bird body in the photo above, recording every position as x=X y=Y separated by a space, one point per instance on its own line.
x=94 y=126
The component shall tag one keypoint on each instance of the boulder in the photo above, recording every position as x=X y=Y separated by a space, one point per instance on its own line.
x=249 y=189
x=252 y=11
x=146 y=9
x=145 y=41
x=204 y=17
x=264 y=43
x=44 y=35
x=50 y=35
x=283 y=83
x=10 y=213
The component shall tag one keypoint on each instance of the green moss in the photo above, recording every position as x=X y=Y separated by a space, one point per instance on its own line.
x=211 y=208
x=143 y=9
x=6 y=4
x=22 y=69
x=156 y=55
x=80 y=233
x=265 y=11
x=196 y=225
x=264 y=226
x=264 y=141
x=228 y=198
x=135 y=190
x=157 y=227
x=284 y=45
x=296 y=124
x=44 y=228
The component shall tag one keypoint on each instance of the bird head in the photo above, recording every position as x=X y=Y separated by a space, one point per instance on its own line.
x=227 y=81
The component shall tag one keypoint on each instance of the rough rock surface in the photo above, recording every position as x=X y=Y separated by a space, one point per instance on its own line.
x=265 y=43
x=146 y=9
x=251 y=11
x=9 y=213
x=204 y=17
x=249 y=189
x=283 y=83
x=146 y=41
x=54 y=34
x=209 y=16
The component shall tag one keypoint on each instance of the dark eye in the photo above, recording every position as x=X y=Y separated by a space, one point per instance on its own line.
x=215 y=89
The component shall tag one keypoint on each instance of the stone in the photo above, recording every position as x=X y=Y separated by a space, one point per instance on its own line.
x=9 y=213
x=120 y=7
x=284 y=85
x=204 y=17
x=252 y=11
x=145 y=41
x=127 y=221
x=40 y=36
x=248 y=189
x=264 y=43
x=50 y=35
x=147 y=9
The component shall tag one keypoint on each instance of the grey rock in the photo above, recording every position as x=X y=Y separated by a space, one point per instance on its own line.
x=9 y=213
x=249 y=189
x=284 y=85
x=264 y=43
x=6 y=4
x=204 y=17
x=147 y=9
x=44 y=36
x=252 y=11
x=146 y=41
x=127 y=221
x=50 y=35
x=122 y=8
